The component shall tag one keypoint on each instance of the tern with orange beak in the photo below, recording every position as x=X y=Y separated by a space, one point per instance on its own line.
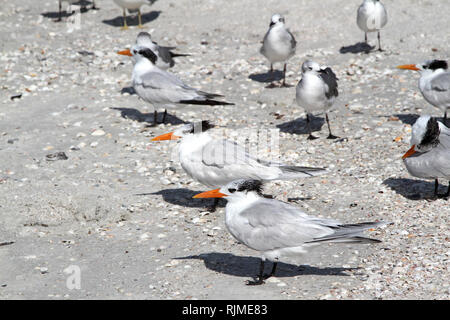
x=429 y=155
x=216 y=162
x=434 y=83
x=277 y=229
x=161 y=88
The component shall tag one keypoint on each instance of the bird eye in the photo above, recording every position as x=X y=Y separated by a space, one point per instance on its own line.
x=134 y=51
x=231 y=190
x=310 y=68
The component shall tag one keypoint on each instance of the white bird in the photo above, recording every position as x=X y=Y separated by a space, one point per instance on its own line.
x=216 y=162
x=316 y=92
x=278 y=44
x=132 y=6
x=429 y=155
x=434 y=83
x=161 y=88
x=70 y=3
x=371 y=17
x=164 y=54
x=277 y=229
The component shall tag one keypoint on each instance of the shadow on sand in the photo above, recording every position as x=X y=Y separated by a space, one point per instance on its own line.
x=357 y=48
x=133 y=20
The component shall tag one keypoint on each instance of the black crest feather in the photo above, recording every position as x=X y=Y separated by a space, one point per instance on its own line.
x=431 y=136
x=438 y=64
x=251 y=185
x=149 y=54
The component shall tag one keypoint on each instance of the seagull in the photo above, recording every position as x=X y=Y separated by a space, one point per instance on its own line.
x=316 y=92
x=371 y=17
x=72 y=2
x=216 y=162
x=277 y=229
x=429 y=155
x=164 y=54
x=434 y=83
x=132 y=6
x=278 y=44
x=160 y=87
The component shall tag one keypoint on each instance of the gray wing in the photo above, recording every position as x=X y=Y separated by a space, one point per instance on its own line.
x=165 y=55
x=273 y=224
x=330 y=79
x=293 y=42
x=164 y=87
x=441 y=82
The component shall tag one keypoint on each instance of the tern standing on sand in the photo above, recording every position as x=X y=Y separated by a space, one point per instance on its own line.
x=277 y=229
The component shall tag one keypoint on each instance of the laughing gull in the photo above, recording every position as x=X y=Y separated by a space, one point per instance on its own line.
x=132 y=6
x=371 y=17
x=316 y=92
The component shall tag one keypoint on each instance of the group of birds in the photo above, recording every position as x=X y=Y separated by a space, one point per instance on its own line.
x=274 y=228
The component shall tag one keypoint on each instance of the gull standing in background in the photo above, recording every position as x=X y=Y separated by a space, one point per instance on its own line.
x=434 y=83
x=371 y=17
x=164 y=54
x=429 y=155
x=132 y=6
x=161 y=88
x=72 y=2
x=278 y=44
x=316 y=92
x=216 y=162
x=277 y=229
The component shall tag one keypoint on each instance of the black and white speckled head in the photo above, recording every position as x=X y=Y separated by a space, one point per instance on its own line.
x=425 y=133
x=276 y=19
x=142 y=52
x=242 y=187
x=193 y=128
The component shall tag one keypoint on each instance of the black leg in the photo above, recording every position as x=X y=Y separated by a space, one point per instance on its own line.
x=330 y=136
x=379 y=42
x=213 y=207
x=260 y=277
x=365 y=37
x=436 y=186
x=272 y=273
x=308 y=122
x=93 y=5
x=164 y=116
x=447 y=195
x=445 y=117
x=271 y=69
x=59 y=15
x=284 y=76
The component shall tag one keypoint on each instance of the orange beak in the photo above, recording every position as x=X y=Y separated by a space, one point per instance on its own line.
x=408 y=67
x=126 y=52
x=166 y=136
x=410 y=152
x=210 y=194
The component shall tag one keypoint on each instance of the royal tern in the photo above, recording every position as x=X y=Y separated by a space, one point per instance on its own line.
x=371 y=17
x=161 y=88
x=164 y=54
x=316 y=92
x=277 y=229
x=429 y=155
x=216 y=162
x=132 y=6
x=70 y=3
x=434 y=83
x=278 y=44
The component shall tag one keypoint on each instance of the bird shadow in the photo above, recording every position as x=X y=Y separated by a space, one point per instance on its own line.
x=267 y=77
x=136 y=115
x=357 y=48
x=65 y=14
x=247 y=266
x=411 y=189
x=299 y=126
x=183 y=197
x=133 y=21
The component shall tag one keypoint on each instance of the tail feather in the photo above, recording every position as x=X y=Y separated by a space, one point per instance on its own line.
x=208 y=102
x=290 y=172
x=351 y=233
x=174 y=55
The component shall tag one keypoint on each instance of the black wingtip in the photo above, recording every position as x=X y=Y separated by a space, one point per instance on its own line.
x=174 y=55
x=207 y=102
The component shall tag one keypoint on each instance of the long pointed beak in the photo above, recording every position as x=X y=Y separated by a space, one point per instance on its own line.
x=410 y=152
x=408 y=67
x=210 y=194
x=126 y=52
x=166 y=136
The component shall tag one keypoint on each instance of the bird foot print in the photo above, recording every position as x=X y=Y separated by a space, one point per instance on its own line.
x=331 y=136
x=311 y=137
x=255 y=282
